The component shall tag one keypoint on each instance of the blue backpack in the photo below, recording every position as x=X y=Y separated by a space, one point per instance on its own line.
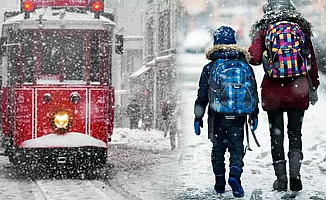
x=233 y=88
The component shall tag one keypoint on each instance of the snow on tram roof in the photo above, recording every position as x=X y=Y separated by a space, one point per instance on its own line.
x=60 y=18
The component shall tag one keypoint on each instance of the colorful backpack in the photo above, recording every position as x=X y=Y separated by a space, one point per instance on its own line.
x=233 y=88
x=285 y=54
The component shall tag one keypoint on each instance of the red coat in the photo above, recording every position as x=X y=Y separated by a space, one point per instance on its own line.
x=283 y=94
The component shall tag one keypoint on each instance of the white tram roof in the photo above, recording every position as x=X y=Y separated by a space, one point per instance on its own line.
x=59 y=19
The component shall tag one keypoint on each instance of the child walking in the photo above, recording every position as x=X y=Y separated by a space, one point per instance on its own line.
x=224 y=85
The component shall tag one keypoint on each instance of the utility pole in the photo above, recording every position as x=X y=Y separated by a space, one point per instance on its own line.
x=156 y=12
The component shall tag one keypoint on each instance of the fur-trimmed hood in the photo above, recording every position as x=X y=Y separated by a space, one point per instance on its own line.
x=227 y=51
x=281 y=15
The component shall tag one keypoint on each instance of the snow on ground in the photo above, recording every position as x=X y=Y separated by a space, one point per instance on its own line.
x=258 y=164
x=190 y=176
x=153 y=139
x=258 y=170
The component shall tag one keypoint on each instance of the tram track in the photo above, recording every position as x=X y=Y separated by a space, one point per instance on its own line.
x=105 y=184
x=45 y=197
x=117 y=188
x=72 y=189
x=14 y=187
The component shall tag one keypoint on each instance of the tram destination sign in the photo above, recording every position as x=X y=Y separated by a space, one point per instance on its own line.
x=59 y=3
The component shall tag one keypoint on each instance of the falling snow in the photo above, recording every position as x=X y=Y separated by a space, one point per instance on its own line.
x=164 y=45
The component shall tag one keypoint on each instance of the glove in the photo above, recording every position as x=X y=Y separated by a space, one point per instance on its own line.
x=197 y=124
x=313 y=96
x=253 y=121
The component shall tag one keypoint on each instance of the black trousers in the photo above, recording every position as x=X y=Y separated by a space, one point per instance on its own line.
x=228 y=135
x=276 y=123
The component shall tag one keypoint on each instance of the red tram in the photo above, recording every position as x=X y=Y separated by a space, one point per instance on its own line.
x=57 y=93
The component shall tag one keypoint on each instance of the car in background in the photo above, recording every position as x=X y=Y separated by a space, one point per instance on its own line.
x=197 y=41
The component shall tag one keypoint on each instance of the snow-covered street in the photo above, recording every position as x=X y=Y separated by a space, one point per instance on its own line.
x=189 y=175
x=125 y=158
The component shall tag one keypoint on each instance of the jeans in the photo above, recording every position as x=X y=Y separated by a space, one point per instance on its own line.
x=228 y=134
x=276 y=122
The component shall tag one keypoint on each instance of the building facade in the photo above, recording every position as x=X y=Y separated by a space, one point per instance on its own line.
x=146 y=69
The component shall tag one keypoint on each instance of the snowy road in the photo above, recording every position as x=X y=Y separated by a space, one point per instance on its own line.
x=189 y=175
x=106 y=184
x=16 y=188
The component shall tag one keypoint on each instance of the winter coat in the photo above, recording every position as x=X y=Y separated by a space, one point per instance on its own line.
x=214 y=53
x=287 y=93
x=170 y=110
x=133 y=111
x=172 y=113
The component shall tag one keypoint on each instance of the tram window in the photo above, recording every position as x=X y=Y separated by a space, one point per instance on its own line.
x=14 y=56
x=28 y=57
x=3 y=41
x=50 y=55
x=63 y=55
x=95 y=62
x=73 y=57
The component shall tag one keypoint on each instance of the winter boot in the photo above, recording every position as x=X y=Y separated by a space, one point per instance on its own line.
x=219 y=183
x=295 y=158
x=234 y=181
x=281 y=183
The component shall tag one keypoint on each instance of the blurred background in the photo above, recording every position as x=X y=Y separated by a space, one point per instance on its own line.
x=202 y=17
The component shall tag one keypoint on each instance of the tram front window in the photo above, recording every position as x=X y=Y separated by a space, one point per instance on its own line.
x=73 y=58
x=61 y=57
x=51 y=55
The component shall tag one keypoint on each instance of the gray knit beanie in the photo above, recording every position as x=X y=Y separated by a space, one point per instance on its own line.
x=278 y=5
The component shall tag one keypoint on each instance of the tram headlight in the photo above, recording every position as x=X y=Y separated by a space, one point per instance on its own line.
x=60 y=121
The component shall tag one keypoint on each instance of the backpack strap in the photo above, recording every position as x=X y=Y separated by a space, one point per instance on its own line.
x=247 y=136
x=271 y=37
x=254 y=135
